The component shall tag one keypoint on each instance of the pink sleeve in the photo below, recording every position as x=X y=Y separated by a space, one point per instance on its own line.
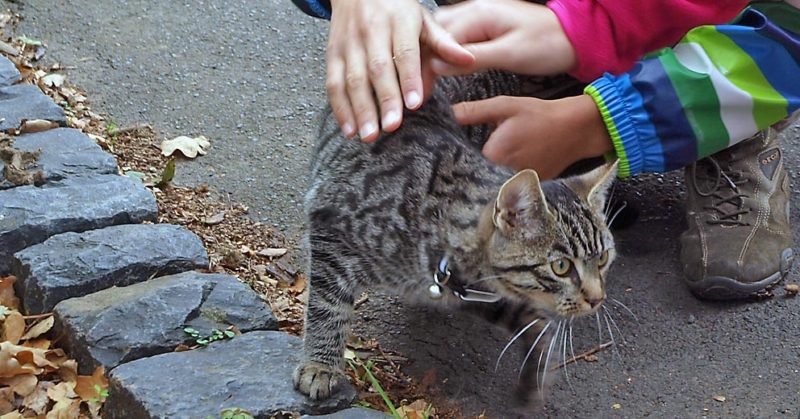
x=610 y=35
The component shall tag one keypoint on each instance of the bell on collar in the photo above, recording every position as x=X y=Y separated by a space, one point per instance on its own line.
x=435 y=292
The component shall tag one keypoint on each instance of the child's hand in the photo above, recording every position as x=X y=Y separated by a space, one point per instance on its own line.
x=374 y=46
x=544 y=135
x=511 y=35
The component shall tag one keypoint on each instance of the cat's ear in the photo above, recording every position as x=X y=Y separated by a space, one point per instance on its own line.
x=520 y=202
x=594 y=186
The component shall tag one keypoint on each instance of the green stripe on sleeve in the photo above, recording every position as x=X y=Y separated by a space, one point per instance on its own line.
x=623 y=167
x=700 y=104
x=743 y=72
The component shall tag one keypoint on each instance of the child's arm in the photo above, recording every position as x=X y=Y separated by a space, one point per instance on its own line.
x=718 y=86
x=610 y=35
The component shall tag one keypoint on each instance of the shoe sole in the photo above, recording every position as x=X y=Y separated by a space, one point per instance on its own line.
x=723 y=288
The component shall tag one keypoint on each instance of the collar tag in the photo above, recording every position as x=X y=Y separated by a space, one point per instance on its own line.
x=442 y=276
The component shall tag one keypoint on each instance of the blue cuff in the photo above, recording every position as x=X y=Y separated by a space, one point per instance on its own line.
x=634 y=137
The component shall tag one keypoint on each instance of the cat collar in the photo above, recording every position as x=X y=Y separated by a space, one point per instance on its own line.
x=442 y=278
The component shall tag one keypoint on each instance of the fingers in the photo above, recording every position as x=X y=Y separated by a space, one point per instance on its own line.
x=359 y=92
x=383 y=76
x=337 y=96
x=406 y=49
x=488 y=111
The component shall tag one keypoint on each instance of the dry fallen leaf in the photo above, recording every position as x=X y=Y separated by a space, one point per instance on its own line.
x=13 y=327
x=7 y=296
x=791 y=289
x=37 y=401
x=616 y=406
x=69 y=370
x=215 y=219
x=299 y=285
x=590 y=358
x=272 y=252
x=40 y=343
x=7 y=399
x=54 y=80
x=719 y=398
x=189 y=147
x=40 y=328
x=85 y=384
x=21 y=384
x=36 y=125
x=417 y=410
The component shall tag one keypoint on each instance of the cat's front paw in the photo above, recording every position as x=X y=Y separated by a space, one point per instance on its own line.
x=317 y=380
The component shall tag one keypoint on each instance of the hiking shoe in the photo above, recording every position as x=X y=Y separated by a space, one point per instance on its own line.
x=738 y=242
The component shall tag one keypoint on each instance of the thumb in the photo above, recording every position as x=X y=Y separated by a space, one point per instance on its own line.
x=488 y=55
x=488 y=111
x=442 y=43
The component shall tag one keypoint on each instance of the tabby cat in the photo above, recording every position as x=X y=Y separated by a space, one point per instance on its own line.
x=423 y=203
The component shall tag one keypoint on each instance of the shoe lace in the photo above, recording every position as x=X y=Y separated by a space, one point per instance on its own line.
x=727 y=200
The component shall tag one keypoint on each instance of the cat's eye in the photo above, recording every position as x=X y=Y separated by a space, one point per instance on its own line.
x=561 y=267
x=603 y=259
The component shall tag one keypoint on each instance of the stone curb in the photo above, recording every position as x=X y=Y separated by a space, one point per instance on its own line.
x=65 y=152
x=29 y=215
x=25 y=101
x=119 y=325
x=76 y=264
x=251 y=372
x=8 y=72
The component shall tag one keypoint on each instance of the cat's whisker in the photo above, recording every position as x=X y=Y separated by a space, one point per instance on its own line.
x=610 y=200
x=571 y=347
x=611 y=335
x=538 y=368
x=564 y=352
x=535 y=342
x=614 y=323
x=616 y=213
x=619 y=303
x=486 y=278
x=599 y=329
x=508 y=345
x=547 y=359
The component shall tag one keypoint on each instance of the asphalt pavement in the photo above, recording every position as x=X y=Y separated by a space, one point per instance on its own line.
x=249 y=75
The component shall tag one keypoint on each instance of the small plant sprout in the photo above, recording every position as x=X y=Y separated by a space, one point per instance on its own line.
x=204 y=340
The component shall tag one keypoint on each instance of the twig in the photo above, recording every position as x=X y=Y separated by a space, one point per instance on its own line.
x=37 y=316
x=383 y=354
x=584 y=355
x=360 y=301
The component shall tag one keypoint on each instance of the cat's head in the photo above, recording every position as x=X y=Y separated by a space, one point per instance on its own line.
x=549 y=243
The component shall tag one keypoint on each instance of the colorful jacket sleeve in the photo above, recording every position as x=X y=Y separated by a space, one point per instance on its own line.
x=315 y=8
x=719 y=85
x=611 y=35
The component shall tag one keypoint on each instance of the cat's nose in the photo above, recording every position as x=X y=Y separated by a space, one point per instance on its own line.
x=594 y=302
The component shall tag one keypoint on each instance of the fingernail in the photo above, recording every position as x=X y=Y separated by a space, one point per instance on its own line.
x=347 y=130
x=390 y=119
x=412 y=99
x=367 y=130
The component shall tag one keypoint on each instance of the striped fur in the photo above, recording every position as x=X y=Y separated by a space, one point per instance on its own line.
x=384 y=214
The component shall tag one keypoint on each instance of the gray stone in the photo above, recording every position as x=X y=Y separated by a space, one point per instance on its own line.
x=8 y=72
x=72 y=265
x=26 y=101
x=64 y=152
x=351 y=413
x=29 y=215
x=119 y=325
x=252 y=372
